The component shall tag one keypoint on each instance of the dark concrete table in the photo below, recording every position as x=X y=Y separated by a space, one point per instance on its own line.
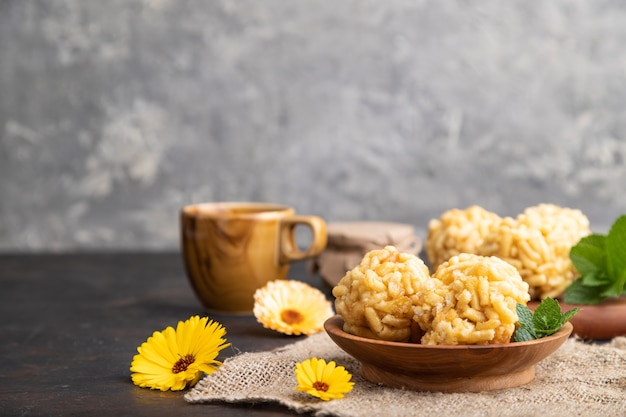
x=71 y=324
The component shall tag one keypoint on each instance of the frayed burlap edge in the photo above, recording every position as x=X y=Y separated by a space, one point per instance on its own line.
x=581 y=379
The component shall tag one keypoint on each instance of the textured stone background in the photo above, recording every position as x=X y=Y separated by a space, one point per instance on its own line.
x=115 y=113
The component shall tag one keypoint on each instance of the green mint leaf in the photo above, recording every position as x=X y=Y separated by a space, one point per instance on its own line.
x=616 y=251
x=565 y=317
x=578 y=293
x=596 y=279
x=522 y=335
x=525 y=329
x=547 y=317
x=546 y=320
x=524 y=315
x=616 y=258
x=614 y=288
x=601 y=262
x=589 y=254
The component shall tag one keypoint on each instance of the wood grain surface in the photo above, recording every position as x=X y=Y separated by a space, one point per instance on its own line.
x=446 y=368
x=73 y=323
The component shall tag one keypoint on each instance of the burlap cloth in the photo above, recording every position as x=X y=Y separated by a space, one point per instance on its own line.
x=579 y=379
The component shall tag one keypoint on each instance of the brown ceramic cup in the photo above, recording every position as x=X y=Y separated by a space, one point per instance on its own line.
x=230 y=249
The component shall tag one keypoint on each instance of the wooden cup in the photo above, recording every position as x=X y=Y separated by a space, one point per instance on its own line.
x=232 y=249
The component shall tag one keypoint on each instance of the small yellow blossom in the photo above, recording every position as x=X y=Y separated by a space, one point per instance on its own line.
x=323 y=380
x=174 y=359
x=291 y=307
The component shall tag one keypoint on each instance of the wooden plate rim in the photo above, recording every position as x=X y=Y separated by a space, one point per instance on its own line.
x=334 y=325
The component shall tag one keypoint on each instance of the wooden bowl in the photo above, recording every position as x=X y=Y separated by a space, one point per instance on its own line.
x=602 y=321
x=460 y=368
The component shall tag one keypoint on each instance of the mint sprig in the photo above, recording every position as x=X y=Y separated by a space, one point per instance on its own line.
x=601 y=262
x=545 y=321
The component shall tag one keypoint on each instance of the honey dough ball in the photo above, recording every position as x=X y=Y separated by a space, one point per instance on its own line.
x=458 y=231
x=376 y=298
x=481 y=294
x=538 y=243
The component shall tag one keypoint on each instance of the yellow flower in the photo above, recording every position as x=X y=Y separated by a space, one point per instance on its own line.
x=291 y=307
x=322 y=380
x=174 y=359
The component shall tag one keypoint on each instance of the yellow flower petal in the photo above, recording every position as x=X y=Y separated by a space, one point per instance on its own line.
x=311 y=369
x=183 y=332
x=291 y=307
x=176 y=358
x=171 y=343
x=327 y=371
x=304 y=375
x=158 y=345
x=323 y=380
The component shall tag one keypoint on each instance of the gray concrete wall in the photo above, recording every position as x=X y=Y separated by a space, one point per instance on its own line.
x=115 y=113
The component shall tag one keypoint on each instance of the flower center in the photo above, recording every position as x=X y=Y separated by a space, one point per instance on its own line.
x=320 y=386
x=183 y=363
x=290 y=316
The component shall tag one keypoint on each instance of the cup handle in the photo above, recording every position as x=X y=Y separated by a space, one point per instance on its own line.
x=289 y=251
